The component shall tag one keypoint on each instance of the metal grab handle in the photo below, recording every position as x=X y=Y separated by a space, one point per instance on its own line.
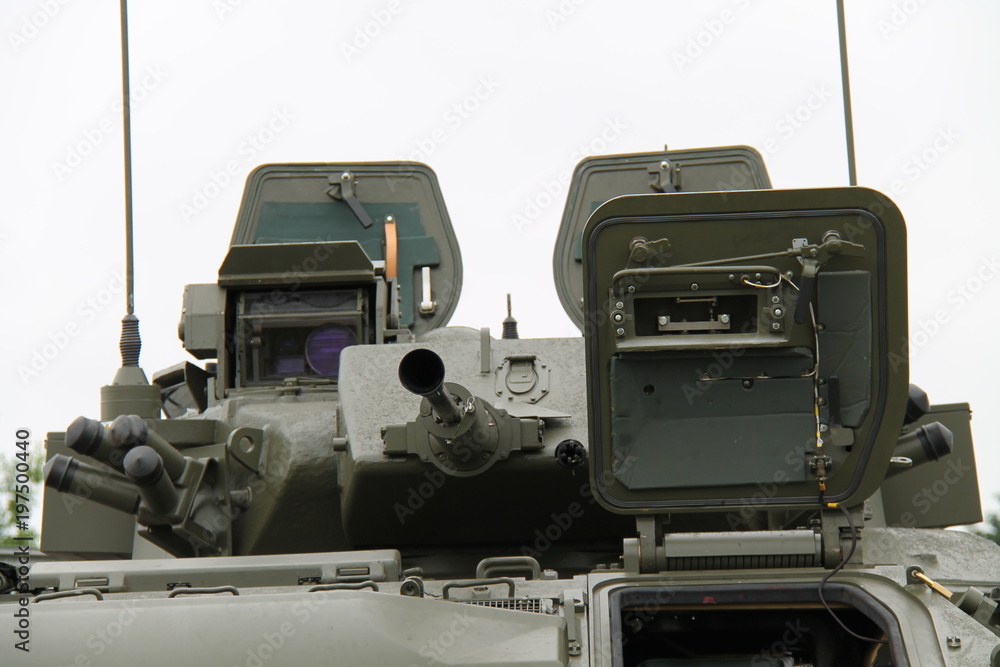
x=69 y=593
x=207 y=591
x=478 y=582
x=489 y=566
x=345 y=587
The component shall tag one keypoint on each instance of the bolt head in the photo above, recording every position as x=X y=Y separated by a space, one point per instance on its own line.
x=620 y=331
x=776 y=325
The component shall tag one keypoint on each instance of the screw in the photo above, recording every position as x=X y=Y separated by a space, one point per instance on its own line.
x=662 y=319
x=694 y=287
x=747 y=384
x=823 y=428
x=631 y=289
x=619 y=305
x=778 y=312
x=776 y=326
x=620 y=331
x=724 y=319
x=617 y=317
x=775 y=299
x=954 y=642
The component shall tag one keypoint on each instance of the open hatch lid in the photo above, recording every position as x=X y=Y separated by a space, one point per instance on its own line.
x=724 y=334
x=598 y=179
x=394 y=211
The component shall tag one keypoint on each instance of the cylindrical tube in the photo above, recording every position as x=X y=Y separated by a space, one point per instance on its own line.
x=422 y=372
x=145 y=468
x=69 y=475
x=131 y=431
x=91 y=438
x=927 y=443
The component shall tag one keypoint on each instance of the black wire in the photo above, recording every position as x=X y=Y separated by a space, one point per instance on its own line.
x=840 y=566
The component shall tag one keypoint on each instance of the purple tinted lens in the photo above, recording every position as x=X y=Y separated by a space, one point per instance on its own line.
x=324 y=346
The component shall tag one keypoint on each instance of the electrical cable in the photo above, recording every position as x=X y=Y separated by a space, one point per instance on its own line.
x=840 y=566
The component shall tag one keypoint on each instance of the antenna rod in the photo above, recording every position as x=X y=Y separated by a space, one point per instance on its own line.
x=130 y=343
x=127 y=128
x=846 y=82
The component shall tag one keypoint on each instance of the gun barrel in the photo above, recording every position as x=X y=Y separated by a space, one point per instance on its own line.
x=422 y=372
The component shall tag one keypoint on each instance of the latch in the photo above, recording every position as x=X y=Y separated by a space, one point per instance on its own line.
x=343 y=189
x=666 y=177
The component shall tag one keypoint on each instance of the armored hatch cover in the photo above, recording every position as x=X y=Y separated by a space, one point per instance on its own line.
x=393 y=210
x=598 y=179
x=741 y=350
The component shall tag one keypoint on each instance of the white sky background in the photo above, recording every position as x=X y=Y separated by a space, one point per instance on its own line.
x=925 y=81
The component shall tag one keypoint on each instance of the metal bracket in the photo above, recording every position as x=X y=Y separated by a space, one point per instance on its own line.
x=343 y=189
x=572 y=603
x=427 y=303
x=245 y=445
x=666 y=177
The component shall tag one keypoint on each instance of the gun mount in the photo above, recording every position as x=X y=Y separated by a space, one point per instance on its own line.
x=460 y=433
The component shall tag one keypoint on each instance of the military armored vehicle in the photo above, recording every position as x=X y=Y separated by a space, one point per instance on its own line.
x=730 y=467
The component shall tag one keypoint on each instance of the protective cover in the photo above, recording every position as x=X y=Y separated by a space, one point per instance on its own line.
x=743 y=349
x=598 y=179
x=394 y=210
